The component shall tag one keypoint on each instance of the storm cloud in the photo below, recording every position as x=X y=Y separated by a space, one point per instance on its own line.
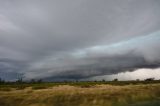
x=78 y=39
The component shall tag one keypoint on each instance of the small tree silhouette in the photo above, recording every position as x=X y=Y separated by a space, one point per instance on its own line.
x=95 y=80
x=103 y=80
x=115 y=79
x=20 y=77
x=2 y=81
x=32 y=81
x=39 y=81
x=149 y=79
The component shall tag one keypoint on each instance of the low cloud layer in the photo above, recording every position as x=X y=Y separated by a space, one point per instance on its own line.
x=78 y=39
x=140 y=74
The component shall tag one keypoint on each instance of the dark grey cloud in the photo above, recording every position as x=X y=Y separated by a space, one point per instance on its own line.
x=78 y=38
x=141 y=52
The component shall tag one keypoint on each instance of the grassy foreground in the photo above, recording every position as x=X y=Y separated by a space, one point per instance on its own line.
x=86 y=95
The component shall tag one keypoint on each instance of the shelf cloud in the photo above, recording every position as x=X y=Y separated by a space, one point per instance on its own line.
x=78 y=39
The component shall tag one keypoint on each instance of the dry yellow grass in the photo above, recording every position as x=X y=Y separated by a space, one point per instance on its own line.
x=65 y=95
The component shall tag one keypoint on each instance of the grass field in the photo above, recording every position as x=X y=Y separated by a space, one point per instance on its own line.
x=119 y=93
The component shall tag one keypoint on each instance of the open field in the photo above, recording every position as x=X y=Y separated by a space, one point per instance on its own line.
x=81 y=94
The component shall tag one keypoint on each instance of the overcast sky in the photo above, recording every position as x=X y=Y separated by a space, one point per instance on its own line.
x=78 y=39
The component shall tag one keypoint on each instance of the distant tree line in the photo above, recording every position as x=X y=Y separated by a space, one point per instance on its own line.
x=20 y=80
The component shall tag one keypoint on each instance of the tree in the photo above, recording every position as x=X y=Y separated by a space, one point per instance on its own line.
x=39 y=81
x=103 y=80
x=149 y=79
x=2 y=81
x=115 y=79
x=20 y=77
x=32 y=81
x=95 y=80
